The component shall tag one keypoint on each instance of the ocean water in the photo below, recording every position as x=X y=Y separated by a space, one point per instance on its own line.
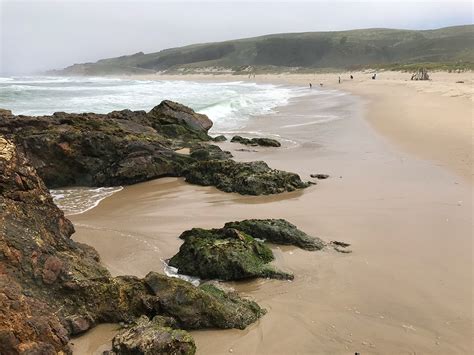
x=229 y=105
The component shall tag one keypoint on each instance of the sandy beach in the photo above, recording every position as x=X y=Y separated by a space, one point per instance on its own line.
x=431 y=119
x=399 y=156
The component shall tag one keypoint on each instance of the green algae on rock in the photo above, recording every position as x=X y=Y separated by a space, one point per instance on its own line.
x=127 y=147
x=277 y=231
x=225 y=254
x=52 y=287
x=153 y=337
x=205 y=306
x=252 y=178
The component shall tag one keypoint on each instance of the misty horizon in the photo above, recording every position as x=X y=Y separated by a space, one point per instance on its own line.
x=37 y=36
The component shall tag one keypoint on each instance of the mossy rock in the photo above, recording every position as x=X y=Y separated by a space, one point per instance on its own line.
x=201 y=307
x=153 y=337
x=250 y=178
x=277 y=231
x=224 y=254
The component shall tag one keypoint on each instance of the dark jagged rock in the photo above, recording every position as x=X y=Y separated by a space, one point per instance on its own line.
x=122 y=147
x=263 y=142
x=224 y=254
x=277 y=231
x=52 y=287
x=154 y=337
x=253 y=178
x=126 y=147
x=171 y=118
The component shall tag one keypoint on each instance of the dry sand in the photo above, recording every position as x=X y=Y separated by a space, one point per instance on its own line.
x=406 y=288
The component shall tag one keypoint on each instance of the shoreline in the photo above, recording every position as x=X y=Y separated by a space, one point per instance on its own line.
x=431 y=119
x=403 y=289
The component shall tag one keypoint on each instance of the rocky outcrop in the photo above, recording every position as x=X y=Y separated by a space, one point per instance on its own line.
x=158 y=336
x=224 y=254
x=126 y=147
x=263 y=142
x=122 y=147
x=277 y=231
x=253 y=178
x=52 y=287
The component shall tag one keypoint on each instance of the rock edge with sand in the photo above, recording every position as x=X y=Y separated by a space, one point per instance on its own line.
x=127 y=147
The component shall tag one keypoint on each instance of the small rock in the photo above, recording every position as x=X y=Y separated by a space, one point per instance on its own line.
x=340 y=244
x=220 y=138
x=319 y=176
x=264 y=142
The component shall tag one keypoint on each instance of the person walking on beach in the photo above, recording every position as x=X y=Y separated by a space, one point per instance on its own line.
x=339 y=80
x=310 y=85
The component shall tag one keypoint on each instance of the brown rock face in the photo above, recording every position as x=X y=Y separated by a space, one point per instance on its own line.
x=52 y=287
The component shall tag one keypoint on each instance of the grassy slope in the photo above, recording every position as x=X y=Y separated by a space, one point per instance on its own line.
x=315 y=50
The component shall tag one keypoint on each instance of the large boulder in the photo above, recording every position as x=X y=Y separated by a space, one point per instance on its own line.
x=169 y=113
x=252 y=178
x=155 y=337
x=277 y=231
x=205 y=306
x=224 y=254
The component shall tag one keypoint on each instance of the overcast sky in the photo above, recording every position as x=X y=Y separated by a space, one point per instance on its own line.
x=40 y=35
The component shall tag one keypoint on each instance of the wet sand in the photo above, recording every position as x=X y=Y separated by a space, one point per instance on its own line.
x=407 y=286
x=431 y=119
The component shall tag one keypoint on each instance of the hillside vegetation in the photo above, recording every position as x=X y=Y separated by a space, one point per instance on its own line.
x=451 y=47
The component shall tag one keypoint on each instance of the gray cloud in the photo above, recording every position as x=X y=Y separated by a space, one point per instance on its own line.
x=40 y=35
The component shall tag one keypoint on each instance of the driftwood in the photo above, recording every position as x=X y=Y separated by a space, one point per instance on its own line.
x=421 y=74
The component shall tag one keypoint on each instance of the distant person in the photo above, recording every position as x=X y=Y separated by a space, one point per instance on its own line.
x=352 y=77
x=310 y=85
x=339 y=80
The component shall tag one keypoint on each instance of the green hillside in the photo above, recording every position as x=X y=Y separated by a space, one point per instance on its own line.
x=450 y=46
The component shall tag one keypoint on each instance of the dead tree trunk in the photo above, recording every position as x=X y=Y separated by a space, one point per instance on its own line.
x=421 y=74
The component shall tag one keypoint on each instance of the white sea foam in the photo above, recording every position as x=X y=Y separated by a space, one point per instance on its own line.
x=76 y=200
x=324 y=119
x=173 y=272
x=228 y=104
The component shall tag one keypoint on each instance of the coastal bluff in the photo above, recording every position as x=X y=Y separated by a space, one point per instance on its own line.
x=126 y=147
